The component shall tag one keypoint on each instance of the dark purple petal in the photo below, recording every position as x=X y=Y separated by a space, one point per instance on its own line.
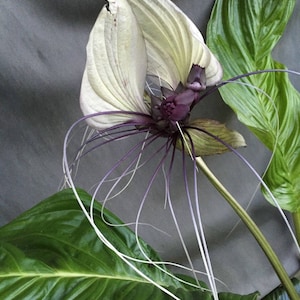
x=185 y=98
x=196 y=80
x=180 y=112
x=167 y=92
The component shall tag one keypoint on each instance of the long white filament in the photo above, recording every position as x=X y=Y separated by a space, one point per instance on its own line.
x=90 y=217
x=199 y=227
x=202 y=240
x=94 y=226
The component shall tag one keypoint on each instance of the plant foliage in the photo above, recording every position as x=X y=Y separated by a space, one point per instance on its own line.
x=281 y=294
x=52 y=252
x=243 y=34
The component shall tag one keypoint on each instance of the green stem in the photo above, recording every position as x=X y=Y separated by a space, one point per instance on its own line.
x=296 y=220
x=263 y=243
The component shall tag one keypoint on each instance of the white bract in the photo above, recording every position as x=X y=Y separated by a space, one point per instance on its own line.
x=130 y=40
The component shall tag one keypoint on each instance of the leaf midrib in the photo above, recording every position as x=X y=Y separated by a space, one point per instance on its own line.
x=71 y=275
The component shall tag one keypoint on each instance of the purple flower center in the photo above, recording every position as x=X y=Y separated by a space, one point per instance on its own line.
x=174 y=106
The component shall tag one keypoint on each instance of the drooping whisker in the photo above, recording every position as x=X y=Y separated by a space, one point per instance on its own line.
x=91 y=144
x=136 y=151
x=117 y=128
x=119 y=135
x=114 y=133
x=235 y=78
x=95 y=134
x=179 y=232
x=166 y=148
x=139 y=147
x=168 y=178
x=260 y=179
x=256 y=73
x=196 y=218
x=129 y=170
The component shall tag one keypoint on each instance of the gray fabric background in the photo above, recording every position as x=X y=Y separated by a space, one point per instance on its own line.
x=42 y=56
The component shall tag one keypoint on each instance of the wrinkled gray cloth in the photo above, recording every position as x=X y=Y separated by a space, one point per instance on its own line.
x=42 y=57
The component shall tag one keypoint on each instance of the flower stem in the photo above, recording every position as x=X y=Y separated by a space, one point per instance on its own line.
x=296 y=221
x=263 y=243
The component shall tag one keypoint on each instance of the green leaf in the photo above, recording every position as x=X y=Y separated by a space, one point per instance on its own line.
x=205 y=135
x=242 y=34
x=281 y=294
x=52 y=252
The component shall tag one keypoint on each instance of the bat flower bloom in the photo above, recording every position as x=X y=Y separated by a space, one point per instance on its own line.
x=147 y=65
x=147 y=68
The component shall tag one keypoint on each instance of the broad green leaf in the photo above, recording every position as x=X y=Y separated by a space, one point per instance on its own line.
x=281 y=294
x=242 y=34
x=52 y=252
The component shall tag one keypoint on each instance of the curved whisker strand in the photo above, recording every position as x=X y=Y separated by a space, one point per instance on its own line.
x=222 y=83
x=117 y=164
x=158 y=167
x=195 y=171
x=68 y=136
x=94 y=226
x=259 y=72
x=127 y=171
x=118 y=253
x=79 y=154
x=275 y=142
x=200 y=237
x=166 y=186
x=149 y=140
x=63 y=183
x=130 y=133
x=136 y=168
x=185 y=141
x=245 y=161
x=136 y=161
x=175 y=220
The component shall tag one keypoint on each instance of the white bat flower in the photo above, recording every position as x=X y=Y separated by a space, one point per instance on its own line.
x=135 y=39
x=147 y=67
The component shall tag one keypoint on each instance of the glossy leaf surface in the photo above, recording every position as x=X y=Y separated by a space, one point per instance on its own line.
x=52 y=252
x=242 y=34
